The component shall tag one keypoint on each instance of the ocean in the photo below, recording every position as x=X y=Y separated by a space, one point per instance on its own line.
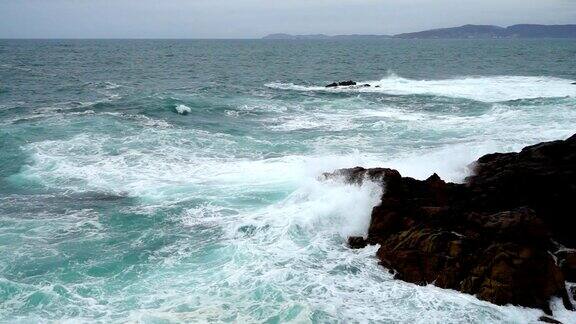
x=167 y=181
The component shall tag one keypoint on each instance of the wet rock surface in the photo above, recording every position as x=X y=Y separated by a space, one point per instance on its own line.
x=504 y=235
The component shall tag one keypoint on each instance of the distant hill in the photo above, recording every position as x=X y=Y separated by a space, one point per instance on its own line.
x=322 y=36
x=288 y=36
x=489 y=31
x=466 y=31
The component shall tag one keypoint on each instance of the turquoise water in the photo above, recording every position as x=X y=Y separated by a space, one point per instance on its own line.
x=176 y=181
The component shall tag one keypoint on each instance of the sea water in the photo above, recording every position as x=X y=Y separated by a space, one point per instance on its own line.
x=165 y=181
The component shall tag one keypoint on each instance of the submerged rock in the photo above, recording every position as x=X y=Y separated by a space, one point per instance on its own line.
x=494 y=236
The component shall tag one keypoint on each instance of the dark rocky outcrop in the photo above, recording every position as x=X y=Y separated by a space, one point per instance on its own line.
x=341 y=84
x=501 y=235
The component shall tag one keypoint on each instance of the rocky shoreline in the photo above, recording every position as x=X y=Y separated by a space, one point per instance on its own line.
x=505 y=235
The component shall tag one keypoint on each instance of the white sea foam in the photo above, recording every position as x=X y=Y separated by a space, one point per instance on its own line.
x=184 y=161
x=487 y=89
x=323 y=206
x=293 y=253
x=183 y=109
x=323 y=120
x=283 y=255
x=173 y=171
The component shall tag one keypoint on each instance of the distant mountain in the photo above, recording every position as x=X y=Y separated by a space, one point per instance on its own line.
x=489 y=31
x=466 y=31
x=322 y=36
x=360 y=36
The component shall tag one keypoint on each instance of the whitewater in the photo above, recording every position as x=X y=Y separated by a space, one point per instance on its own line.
x=187 y=188
x=487 y=89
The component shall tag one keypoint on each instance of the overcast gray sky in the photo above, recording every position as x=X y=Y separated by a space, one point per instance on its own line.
x=256 y=18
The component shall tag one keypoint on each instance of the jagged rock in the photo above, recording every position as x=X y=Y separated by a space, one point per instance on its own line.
x=358 y=175
x=491 y=236
x=341 y=84
x=541 y=176
x=521 y=224
x=357 y=242
x=347 y=83
x=512 y=273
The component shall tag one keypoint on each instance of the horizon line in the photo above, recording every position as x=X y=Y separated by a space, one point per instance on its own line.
x=385 y=36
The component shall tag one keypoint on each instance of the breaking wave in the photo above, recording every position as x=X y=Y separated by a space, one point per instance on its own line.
x=485 y=89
